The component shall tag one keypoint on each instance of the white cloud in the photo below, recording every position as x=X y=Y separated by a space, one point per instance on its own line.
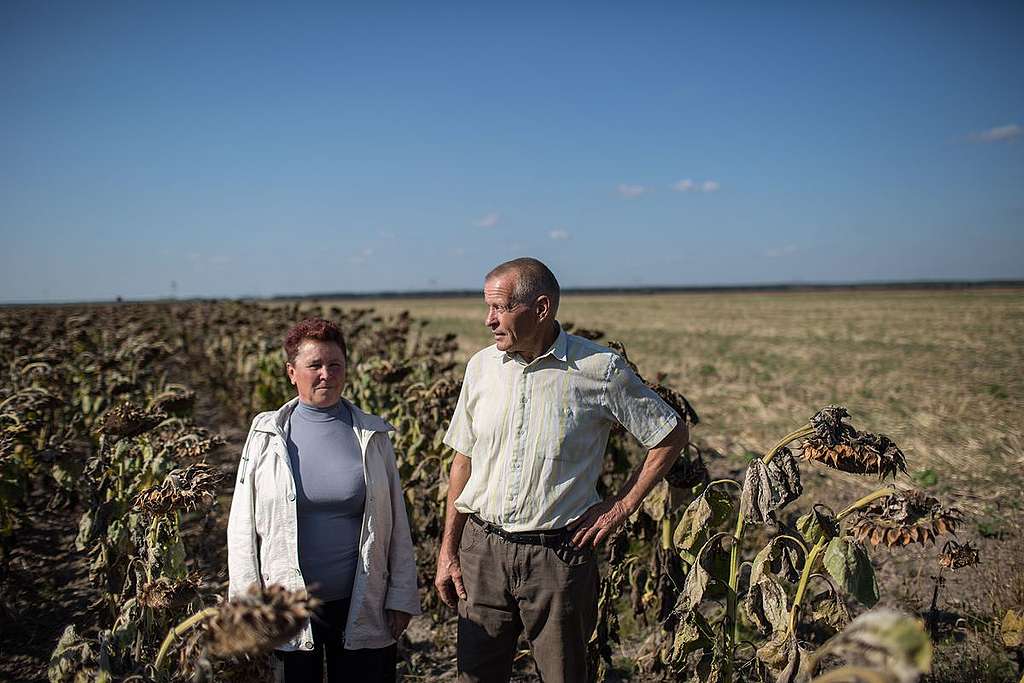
x=361 y=257
x=489 y=220
x=998 y=134
x=559 y=234
x=630 y=191
x=776 y=252
x=688 y=185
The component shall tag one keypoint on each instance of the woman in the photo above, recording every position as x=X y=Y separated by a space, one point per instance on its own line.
x=318 y=506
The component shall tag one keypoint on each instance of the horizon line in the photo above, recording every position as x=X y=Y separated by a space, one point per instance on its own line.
x=905 y=285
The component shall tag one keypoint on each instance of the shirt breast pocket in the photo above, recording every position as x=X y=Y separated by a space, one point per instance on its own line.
x=566 y=426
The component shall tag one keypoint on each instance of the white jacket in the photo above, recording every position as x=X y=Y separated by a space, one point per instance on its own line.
x=263 y=537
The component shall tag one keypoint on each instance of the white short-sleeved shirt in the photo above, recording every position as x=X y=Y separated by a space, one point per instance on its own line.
x=537 y=432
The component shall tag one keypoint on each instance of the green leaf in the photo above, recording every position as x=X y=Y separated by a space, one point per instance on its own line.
x=817 y=525
x=848 y=563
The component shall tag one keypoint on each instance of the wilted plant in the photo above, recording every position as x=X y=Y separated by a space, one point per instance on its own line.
x=255 y=622
x=183 y=489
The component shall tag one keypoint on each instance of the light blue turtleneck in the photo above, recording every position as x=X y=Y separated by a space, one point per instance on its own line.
x=330 y=490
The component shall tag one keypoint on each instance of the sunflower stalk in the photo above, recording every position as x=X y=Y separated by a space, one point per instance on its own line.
x=179 y=631
x=819 y=547
x=734 y=553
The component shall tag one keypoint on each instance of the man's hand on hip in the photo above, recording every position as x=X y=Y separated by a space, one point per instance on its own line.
x=448 y=581
x=598 y=523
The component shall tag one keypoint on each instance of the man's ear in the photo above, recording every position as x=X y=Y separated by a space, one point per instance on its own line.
x=290 y=370
x=543 y=307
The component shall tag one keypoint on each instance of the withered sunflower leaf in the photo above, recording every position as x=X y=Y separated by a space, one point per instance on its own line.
x=781 y=557
x=696 y=585
x=1012 y=630
x=709 y=559
x=848 y=563
x=829 y=608
x=784 y=474
x=656 y=502
x=782 y=656
x=690 y=636
x=756 y=499
x=704 y=513
x=766 y=606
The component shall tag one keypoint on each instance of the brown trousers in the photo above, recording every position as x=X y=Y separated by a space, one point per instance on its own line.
x=550 y=593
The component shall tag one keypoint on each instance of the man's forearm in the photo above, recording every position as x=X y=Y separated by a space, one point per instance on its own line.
x=656 y=465
x=455 y=521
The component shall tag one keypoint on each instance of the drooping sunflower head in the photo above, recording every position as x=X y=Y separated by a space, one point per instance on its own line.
x=126 y=420
x=166 y=593
x=258 y=621
x=185 y=488
x=829 y=425
x=857 y=453
x=903 y=518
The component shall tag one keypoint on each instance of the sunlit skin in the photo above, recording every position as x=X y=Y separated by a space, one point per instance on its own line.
x=525 y=328
x=318 y=373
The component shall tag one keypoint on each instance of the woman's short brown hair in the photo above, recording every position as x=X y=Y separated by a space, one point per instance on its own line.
x=317 y=329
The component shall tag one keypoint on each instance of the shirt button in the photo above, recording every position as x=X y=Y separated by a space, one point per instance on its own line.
x=308 y=645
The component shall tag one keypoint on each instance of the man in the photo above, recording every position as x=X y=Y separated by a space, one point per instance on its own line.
x=523 y=516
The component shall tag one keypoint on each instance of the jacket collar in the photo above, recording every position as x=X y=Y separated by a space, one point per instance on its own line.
x=276 y=422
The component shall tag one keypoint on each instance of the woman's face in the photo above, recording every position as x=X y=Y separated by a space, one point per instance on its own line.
x=318 y=372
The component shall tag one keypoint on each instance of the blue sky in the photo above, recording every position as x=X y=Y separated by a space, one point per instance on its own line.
x=257 y=149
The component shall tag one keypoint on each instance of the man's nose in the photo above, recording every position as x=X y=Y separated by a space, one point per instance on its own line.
x=492 y=319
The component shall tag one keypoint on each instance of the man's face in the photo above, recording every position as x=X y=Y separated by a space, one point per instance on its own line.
x=515 y=326
x=318 y=373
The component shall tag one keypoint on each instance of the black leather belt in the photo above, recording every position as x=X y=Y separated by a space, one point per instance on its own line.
x=549 y=538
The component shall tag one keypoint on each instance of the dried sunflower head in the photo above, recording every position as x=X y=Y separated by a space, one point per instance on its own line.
x=857 y=453
x=165 y=593
x=186 y=488
x=829 y=425
x=179 y=402
x=956 y=556
x=258 y=621
x=126 y=420
x=389 y=373
x=903 y=518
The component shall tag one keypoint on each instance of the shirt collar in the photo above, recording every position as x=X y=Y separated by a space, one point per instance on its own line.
x=558 y=350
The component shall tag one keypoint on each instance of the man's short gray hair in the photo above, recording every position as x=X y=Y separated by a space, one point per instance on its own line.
x=533 y=279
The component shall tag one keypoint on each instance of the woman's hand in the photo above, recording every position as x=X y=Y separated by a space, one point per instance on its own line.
x=397 y=622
